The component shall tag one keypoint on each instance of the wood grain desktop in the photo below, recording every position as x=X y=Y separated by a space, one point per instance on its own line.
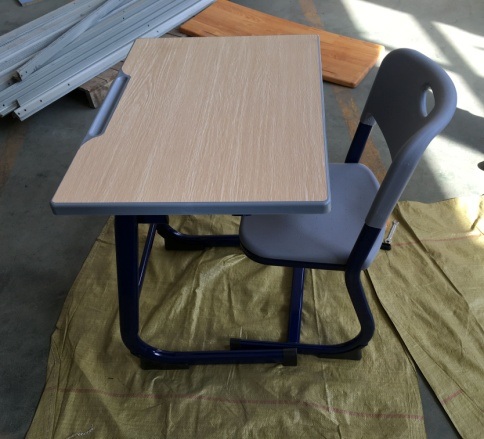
x=222 y=125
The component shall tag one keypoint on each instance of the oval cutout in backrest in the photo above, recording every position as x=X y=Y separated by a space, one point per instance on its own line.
x=428 y=101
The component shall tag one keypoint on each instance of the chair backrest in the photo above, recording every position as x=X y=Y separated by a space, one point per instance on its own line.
x=398 y=104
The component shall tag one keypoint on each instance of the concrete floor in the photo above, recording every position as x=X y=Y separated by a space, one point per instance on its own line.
x=41 y=254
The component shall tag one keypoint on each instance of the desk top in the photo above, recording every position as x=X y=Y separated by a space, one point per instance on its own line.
x=207 y=125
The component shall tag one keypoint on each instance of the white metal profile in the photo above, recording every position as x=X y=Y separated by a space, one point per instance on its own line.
x=105 y=41
x=75 y=8
x=46 y=54
x=114 y=32
x=19 y=45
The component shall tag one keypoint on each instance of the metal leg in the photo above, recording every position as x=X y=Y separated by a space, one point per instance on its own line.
x=360 y=304
x=126 y=237
x=129 y=282
x=150 y=238
x=295 y=311
x=349 y=350
x=175 y=240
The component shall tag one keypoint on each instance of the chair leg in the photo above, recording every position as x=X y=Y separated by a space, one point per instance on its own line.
x=360 y=304
x=349 y=350
x=129 y=277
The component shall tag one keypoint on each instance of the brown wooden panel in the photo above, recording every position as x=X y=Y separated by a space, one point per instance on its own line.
x=346 y=61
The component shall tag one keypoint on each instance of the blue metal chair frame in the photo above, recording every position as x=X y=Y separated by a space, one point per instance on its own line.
x=397 y=103
x=350 y=349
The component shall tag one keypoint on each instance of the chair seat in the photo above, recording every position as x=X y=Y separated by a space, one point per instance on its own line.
x=318 y=238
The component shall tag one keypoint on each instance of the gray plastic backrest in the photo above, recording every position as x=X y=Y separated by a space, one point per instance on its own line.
x=397 y=103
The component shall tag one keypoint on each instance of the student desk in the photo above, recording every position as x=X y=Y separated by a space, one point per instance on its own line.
x=201 y=126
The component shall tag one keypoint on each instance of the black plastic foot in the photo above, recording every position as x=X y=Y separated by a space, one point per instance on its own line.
x=290 y=357
x=153 y=365
x=235 y=344
x=183 y=245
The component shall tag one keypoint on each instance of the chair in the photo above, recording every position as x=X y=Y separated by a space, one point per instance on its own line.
x=349 y=237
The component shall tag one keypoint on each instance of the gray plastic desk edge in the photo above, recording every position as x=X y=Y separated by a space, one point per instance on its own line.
x=101 y=121
x=185 y=208
x=325 y=146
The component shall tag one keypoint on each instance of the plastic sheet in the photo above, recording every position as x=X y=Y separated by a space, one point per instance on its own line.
x=432 y=286
x=197 y=300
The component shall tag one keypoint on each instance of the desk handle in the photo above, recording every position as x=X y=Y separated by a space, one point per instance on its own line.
x=101 y=121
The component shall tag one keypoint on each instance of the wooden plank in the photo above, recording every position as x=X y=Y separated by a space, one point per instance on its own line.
x=97 y=88
x=346 y=61
x=231 y=122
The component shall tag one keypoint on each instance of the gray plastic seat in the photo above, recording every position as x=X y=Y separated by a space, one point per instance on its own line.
x=349 y=237
x=316 y=238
